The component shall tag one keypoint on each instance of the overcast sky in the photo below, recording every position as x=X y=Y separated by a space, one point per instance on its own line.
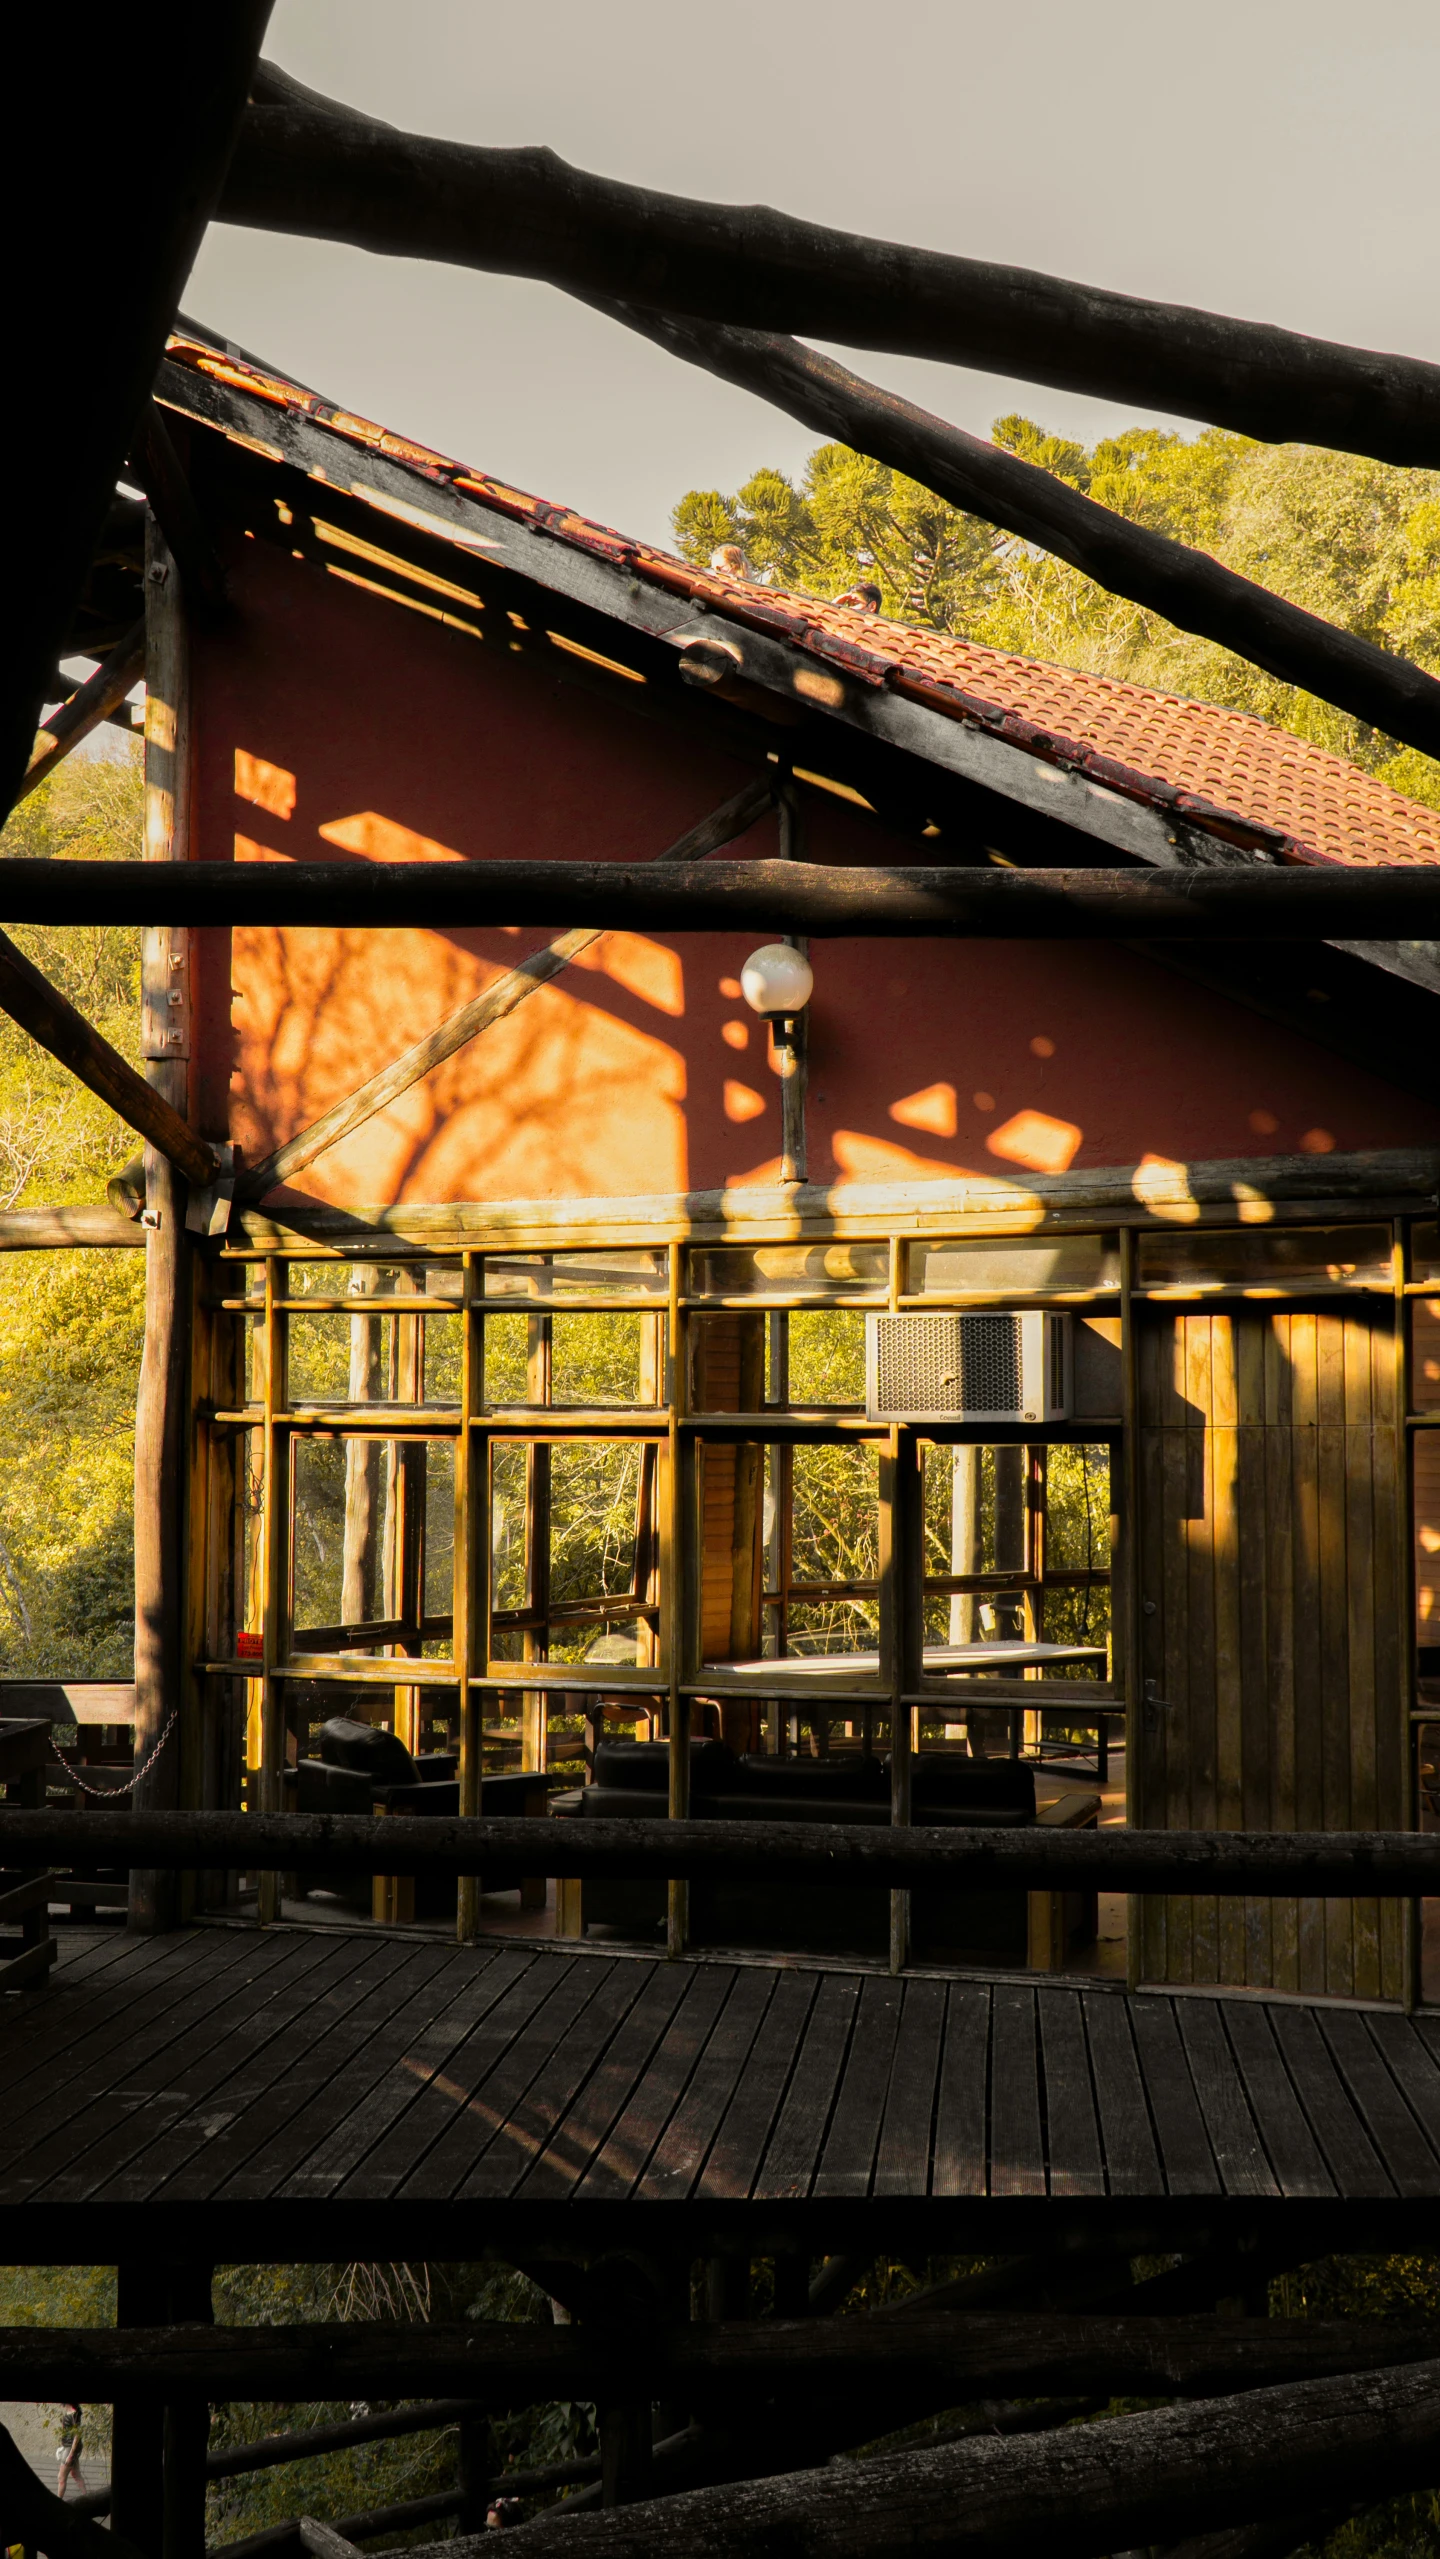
x=1273 y=158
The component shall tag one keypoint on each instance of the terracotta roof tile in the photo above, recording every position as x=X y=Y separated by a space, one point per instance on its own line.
x=1219 y=768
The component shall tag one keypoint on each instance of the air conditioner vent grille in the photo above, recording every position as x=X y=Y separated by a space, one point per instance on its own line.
x=948 y=1364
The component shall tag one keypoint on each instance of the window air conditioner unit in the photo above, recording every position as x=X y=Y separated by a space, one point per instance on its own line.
x=967 y=1368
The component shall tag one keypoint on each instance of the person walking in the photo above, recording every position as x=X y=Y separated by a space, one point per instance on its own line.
x=71 y=2445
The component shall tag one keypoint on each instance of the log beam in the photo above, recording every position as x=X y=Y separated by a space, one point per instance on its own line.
x=184 y=90
x=1266 y=902
x=1033 y=2355
x=1188 y=588
x=1121 y=2483
x=52 y=1020
x=1333 y=1865
x=311 y=166
x=495 y=1004
x=94 y=701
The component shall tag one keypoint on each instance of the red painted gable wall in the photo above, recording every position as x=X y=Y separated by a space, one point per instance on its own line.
x=360 y=729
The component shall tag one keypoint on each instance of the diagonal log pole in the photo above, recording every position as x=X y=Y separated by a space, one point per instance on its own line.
x=1121 y=2483
x=52 y=1019
x=94 y=700
x=495 y=1004
x=310 y=165
x=1187 y=587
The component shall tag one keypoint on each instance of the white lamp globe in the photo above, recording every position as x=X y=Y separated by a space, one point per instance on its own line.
x=777 y=980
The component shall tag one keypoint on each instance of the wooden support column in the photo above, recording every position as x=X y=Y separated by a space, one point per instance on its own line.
x=137 y=2451
x=679 y=1562
x=901 y=1564
x=472 y=1596
x=161 y=1438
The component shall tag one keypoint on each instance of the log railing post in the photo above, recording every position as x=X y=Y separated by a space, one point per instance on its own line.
x=160 y=1439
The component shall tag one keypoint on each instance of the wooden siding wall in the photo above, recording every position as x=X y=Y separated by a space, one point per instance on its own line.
x=727 y=1375
x=1271 y=1570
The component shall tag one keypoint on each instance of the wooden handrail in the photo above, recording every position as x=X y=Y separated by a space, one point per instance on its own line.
x=1282 y=902
x=838 y=1856
x=506 y=2364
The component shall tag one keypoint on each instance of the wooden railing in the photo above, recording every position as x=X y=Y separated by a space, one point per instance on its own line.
x=839 y=1856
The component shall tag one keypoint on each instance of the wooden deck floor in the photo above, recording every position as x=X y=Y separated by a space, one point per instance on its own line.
x=349 y=2083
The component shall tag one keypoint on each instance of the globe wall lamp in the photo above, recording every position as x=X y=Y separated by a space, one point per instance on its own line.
x=776 y=982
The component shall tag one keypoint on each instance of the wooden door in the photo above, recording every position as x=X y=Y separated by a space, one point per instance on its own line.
x=1269 y=1554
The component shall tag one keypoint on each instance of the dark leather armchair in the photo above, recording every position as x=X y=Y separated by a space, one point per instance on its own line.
x=364 y=1769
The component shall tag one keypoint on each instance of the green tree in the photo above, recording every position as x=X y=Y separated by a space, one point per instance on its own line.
x=1355 y=541
x=70 y=1323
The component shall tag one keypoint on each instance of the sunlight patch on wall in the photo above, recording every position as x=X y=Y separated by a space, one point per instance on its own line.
x=1034 y=1139
x=268 y=786
x=380 y=839
x=875 y=1159
x=932 y=1109
x=642 y=967
x=740 y=1102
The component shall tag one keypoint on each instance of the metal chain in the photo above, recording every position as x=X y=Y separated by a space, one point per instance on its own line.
x=131 y=1782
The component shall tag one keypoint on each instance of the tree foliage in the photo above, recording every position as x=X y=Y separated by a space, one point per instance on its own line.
x=70 y=1323
x=1355 y=541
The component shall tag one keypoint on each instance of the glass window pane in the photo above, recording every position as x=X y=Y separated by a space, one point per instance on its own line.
x=439 y=1596
x=1273 y=1261
x=506 y=1358
x=1425 y=1468
x=345 y=1359
x=835 y=1512
x=826 y=1357
x=603 y=1359
x=1424 y=1354
x=789 y=1270
x=997 y=1266
x=640 y=1272
x=343 y=1495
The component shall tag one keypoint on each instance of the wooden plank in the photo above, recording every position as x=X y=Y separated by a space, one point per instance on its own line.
x=902 y=2162
x=115 y=2166
x=962 y=2107
x=582 y=2131
x=110 y=1997
x=384 y=2082
x=532 y=2111
x=1367 y=1456
x=1409 y=2160
x=435 y=2132
x=1017 y=2143
x=1278 y=1688
x=1202 y=1526
x=1234 y=2138
x=1255 y=1712
x=283 y=2088
x=1228 y=1548
x=632 y=2139
x=1289 y=2142
x=1072 y=2136
x=1309 y=1802
x=685 y=2144
x=1132 y=2162
x=739 y=2145
x=1412 y=2059
x=1335 y=1604
x=793 y=2151
x=847 y=2160
x=1175 y=1505
x=1348 y=2150
x=1174 y=2109
x=81 y=2093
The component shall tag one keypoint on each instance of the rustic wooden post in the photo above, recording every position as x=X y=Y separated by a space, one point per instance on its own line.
x=681 y=1534
x=137 y=2451
x=472 y=1583
x=161 y=1406
x=187 y=2426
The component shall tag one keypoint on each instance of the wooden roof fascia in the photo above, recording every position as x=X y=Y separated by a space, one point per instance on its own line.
x=1240 y=1191
x=530 y=551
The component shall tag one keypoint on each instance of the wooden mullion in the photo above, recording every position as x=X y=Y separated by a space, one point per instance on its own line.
x=680 y=1582
x=472 y=1573
x=1411 y=1910
x=539 y=1391
x=276 y=1552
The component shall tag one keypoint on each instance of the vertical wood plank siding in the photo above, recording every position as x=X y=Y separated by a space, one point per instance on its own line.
x=1270 y=1544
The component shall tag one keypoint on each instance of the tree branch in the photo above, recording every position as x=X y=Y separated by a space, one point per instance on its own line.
x=1187 y=587
x=311 y=166
x=92 y=702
